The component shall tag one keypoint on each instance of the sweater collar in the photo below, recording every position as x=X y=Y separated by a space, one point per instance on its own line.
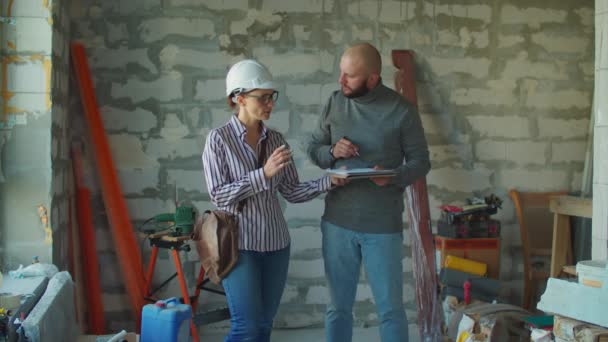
x=372 y=95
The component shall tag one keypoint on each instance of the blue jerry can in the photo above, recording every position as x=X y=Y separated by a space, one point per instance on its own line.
x=166 y=321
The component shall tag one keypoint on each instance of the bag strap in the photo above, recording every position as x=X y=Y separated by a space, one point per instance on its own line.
x=261 y=161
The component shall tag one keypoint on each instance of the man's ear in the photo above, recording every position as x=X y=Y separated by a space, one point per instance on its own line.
x=372 y=81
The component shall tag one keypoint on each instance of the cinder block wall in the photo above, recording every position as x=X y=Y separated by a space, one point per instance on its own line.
x=504 y=90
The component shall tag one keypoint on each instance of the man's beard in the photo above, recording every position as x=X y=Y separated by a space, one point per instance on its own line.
x=357 y=92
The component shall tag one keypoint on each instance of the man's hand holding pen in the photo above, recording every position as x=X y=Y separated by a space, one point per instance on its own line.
x=345 y=149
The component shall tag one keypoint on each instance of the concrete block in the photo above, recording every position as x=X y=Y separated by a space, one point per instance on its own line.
x=304 y=239
x=506 y=41
x=210 y=4
x=135 y=7
x=210 y=90
x=302 y=32
x=217 y=61
x=559 y=43
x=290 y=293
x=476 y=67
x=304 y=6
x=26 y=8
x=144 y=208
x=117 y=33
x=562 y=128
x=364 y=293
x=159 y=28
x=138 y=120
x=188 y=180
x=135 y=181
x=290 y=64
x=335 y=36
x=521 y=152
x=28 y=35
x=173 y=128
x=442 y=153
x=308 y=123
x=600 y=153
x=219 y=117
x=128 y=154
x=305 y=211
x=304 y=94
x=522 y=68
x=167 y=87
x=317 y=295
x=600 y=212
x=587 y=17
x=172 y=149
x=453 y=179
x=478 y=12
x=498 y=93
x=583 y=302
x=308 y=269
x=361 y=33
x=567 y=152
x=601 y=102
x=531 y=16
x=500 y=126
x=120 y=58
x=279 y=121
x=29 y=76
x=559 y=99
x=533 y=180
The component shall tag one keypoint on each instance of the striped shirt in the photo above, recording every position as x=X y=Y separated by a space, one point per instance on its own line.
x=232 y=175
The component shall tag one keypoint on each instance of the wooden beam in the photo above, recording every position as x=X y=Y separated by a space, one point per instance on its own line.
x=572 y=206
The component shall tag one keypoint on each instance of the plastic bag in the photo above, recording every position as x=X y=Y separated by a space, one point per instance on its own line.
x=34 y=270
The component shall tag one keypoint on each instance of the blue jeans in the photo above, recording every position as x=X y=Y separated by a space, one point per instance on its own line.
x=343 y=251
x=253 y=290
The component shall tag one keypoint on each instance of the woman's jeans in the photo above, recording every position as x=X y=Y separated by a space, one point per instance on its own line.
x=253 y=290
x=381 y=254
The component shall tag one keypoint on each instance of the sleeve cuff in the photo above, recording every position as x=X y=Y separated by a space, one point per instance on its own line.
x=258 y=181
x=325 y=184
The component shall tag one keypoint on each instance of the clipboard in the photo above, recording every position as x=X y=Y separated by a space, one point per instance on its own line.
x=360 y=173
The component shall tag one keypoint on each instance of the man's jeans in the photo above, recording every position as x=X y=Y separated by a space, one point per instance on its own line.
x=253 y=291
x=343 y=251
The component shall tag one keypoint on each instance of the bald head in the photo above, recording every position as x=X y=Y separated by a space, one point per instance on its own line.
x=359 y=70
x=365 y=56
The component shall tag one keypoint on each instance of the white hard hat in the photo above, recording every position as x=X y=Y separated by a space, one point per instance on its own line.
x=247 y=75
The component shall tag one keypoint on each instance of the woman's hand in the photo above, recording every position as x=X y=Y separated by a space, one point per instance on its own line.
x=280 y=158
x=335 y=181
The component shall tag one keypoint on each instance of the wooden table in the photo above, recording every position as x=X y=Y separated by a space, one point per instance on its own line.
x=563 y=207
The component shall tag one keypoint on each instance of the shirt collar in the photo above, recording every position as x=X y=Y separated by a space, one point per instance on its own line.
x=241 y=130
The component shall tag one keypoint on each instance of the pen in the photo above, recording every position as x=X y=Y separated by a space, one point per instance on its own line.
x=356 y=152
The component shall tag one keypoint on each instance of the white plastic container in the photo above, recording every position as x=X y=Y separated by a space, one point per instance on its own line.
x=593 y=273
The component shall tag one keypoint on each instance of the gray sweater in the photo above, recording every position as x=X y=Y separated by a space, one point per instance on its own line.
x=388 y=131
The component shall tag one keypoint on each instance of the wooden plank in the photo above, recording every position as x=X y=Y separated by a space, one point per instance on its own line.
x=570 y=269
x=572 y=206
x=561 y=240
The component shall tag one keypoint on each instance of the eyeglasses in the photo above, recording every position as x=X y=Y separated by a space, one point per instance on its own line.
x=266 y=98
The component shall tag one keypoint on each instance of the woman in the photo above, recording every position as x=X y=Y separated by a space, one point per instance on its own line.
x=245 y=165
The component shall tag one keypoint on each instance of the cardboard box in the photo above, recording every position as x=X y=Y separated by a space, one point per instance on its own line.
x=485 y=250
